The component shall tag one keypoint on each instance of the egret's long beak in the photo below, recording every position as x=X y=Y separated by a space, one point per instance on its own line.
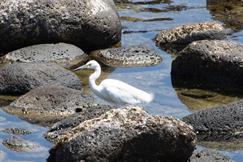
x=81 y=67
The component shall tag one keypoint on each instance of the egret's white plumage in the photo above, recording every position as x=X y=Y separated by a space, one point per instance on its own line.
x=115 y=91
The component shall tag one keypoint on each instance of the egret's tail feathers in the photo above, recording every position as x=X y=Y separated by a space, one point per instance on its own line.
x=149 y=98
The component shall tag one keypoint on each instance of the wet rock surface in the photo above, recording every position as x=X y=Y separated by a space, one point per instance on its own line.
x=127 y=57
x=90 y=24
x=126 y=135
x=67 y=124
x=19 y=78
x=209 y=156
x=178 y=38
x=66 y=55
x=48 y=104
x=19 y=144
x=218 y=124
x=213 y=65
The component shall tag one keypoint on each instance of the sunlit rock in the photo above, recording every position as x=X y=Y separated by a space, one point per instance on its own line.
x=89 y=24
x=48 y=104
x=174 y=40
x=66 y=55
x=127 y=57
x=128 y=134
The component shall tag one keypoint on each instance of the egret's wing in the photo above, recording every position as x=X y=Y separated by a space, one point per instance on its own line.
x=121 y=92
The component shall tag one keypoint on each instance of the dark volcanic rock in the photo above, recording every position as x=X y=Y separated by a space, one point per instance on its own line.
x=178 y=38
x=221 y=123
x=214 y=65
x=19 y=78
x=20 y=145
x=127 y=57
x=126 y=135
x=48 y=104
x=66 y=55
x=74 y=120
x=209 y=156
x=90 y=24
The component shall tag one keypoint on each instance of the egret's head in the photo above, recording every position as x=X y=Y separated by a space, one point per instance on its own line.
x=89 y=65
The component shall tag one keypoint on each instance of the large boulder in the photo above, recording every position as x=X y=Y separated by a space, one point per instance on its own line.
x=19 y=78
x=176 y=39
x=127 y=57
x=126 y=135
x=66 y=55
x=221 y=123
x=214 y=65
x=48 y=104
x=90 y=24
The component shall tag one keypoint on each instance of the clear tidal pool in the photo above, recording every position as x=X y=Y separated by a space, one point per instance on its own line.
x=141 y=21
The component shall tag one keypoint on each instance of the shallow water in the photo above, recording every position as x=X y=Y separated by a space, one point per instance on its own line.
x=141 y=22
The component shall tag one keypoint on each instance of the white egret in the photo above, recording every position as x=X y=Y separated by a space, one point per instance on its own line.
x=114 y=91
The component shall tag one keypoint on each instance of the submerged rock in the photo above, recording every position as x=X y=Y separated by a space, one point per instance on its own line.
x=66 y=55
x=19 y=78
x=196 y=99
x=18 y=144
x=48 y=104
x=16 y=131
x=90 y=24
x=126 y=135
x=221 y=123
x=74 y=120
x=214 y=65
x=209 y=156
x=228 y=12
x=127 y=57
x=178 y=38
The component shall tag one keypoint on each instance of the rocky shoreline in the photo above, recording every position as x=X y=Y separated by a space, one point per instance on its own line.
x=40 y=49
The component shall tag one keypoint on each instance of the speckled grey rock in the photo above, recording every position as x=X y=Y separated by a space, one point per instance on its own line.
x=19 y=78
x=18 y=144
x=127 y=57
x=221 y=123
x=90 y=24
x=48 y=104
x=126 y=135
x=214 y=65
x=66 y=55
x=178 y=38
x=74 y=120
x=209 y=156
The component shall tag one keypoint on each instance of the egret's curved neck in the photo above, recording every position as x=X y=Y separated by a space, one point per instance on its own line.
x=93 y=78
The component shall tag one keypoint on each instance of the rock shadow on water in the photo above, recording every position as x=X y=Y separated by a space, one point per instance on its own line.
x=228 y=12
x=196 y=99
